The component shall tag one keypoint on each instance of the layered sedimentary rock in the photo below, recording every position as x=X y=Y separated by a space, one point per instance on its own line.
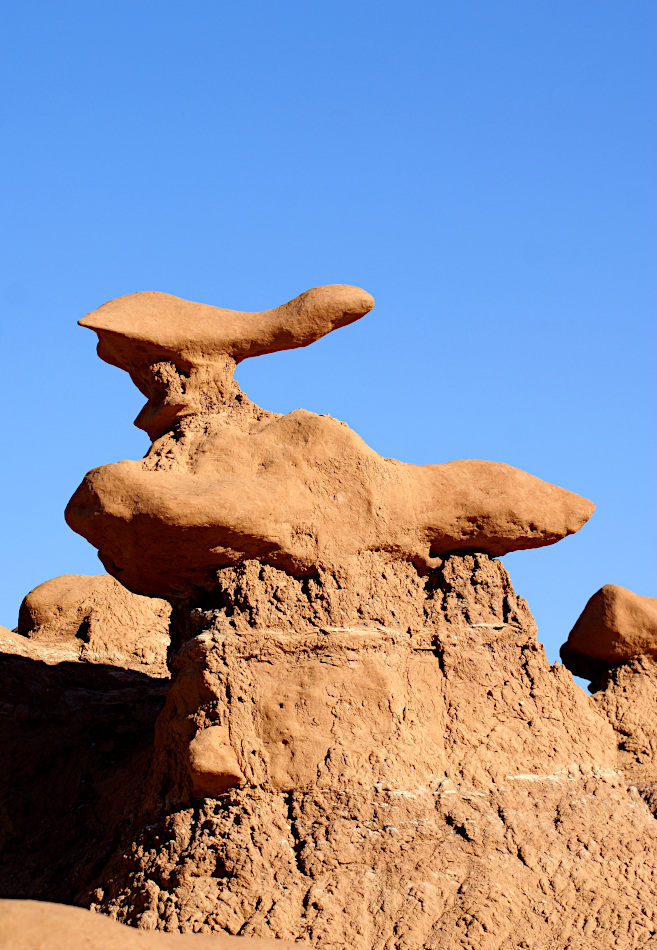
x=405 y=770
x=226 y=481
x=95 y=619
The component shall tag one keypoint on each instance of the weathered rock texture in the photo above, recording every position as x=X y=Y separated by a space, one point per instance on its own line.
x=614 y=644
x=226 y=481
x=411 y=773
x=616 y=626
x=363 y=745
x=28 y=925
x=95 y=619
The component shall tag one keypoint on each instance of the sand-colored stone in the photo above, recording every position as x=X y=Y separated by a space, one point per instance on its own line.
x=362 y=744
x=615 y=626
x=627 y=695
x=417 y=776
x=95 y=619
x=300 y=492
x=34 y=925
x=182 y=355
x=213 y=765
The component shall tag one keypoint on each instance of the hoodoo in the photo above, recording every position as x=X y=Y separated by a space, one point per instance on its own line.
x=362 y=745
x=225 y=481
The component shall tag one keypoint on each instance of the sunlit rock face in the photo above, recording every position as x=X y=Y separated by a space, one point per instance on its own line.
x=362 y=743
x=225 y=481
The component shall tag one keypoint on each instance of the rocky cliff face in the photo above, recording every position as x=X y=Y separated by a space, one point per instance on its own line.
x=362 y=744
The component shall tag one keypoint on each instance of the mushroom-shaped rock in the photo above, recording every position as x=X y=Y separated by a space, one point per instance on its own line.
x=226 y=481
x=178 y=353
x=615 y=626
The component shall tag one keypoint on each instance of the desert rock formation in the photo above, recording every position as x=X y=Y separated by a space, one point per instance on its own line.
x=28 y=925
x=362 y=744
x=225 y=481
x=614 y=644
x=413 y=774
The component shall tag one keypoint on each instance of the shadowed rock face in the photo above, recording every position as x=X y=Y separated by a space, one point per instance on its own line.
x=226 y=481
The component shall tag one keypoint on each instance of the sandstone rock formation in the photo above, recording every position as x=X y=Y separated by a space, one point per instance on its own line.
x=413 y=773
x=28 y=925
x=95 y=619
x=362 y=744
x=616 y=626
x=614 y=644
x=225 y=481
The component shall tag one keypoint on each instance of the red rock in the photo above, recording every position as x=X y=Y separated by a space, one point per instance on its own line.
x=615 y=626
x=301 y=492
x=97 y=620
x=35 y=925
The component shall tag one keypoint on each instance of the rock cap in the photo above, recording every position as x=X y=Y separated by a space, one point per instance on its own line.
x=615 y=626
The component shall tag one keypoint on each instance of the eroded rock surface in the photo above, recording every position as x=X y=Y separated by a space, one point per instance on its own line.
x=614 y=644
x=226 y=481
x=95 y=619
x=414 y=774
x=31 y=925
x=363 y=745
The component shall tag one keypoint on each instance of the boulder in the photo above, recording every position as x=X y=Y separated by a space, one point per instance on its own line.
x=95 y=619
x=615 y=626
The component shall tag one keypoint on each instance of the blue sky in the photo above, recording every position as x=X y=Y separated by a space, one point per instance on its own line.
x=484 y=169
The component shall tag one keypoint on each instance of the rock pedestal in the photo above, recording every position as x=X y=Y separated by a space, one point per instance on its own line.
x=363 y=745
x=430 y=782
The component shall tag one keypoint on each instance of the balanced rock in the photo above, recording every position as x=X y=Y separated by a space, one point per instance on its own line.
x=225 y=481
x=95 y=619
x=616 y=626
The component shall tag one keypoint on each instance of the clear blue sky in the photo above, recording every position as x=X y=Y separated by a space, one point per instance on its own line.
x=484 y=169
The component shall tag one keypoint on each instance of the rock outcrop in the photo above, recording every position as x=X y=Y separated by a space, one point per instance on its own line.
x=616 y=626
x=405 y=770
x=95 y=619
x=614 y=644
x=362 y=744
x=226 y=481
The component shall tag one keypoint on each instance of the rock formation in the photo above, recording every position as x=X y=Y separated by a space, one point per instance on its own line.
x=226 y=481
x=615 y=627
x=614 y=644
x=28 y=925
x=362 y=744
x=95 y=619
